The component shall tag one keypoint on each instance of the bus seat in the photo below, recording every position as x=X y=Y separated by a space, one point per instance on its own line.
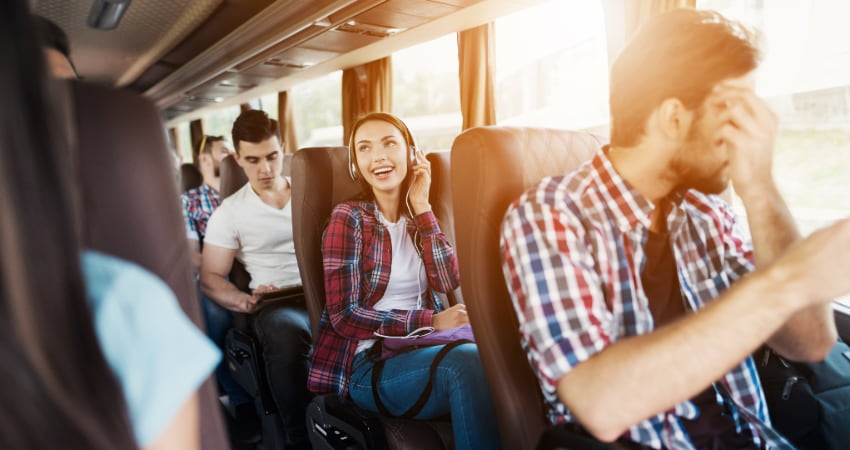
x=232 y=177
x=320 y=181
x=190 y=177
x=128 y=204
x=492 y=166
x=440 y=196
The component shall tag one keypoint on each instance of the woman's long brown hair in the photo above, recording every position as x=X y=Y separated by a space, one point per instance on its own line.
x=57 y=390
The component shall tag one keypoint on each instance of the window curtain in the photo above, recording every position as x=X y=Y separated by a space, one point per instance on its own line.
x=174 y=139
x=475 y=67
x=196 y=133
x=286 y=122
x=623 y=18
x=366 y=88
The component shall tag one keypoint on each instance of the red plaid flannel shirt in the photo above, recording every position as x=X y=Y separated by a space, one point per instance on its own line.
x=357 y=256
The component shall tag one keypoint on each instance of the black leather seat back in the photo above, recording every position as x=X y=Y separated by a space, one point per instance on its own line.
x=492 y=167
x=129 y=203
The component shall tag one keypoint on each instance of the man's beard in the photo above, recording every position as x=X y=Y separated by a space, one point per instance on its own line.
x=695 y=177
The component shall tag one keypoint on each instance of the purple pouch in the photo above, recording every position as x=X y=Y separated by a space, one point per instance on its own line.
x=392 y=346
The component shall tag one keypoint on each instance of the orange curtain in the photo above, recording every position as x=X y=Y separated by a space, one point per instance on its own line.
x=286 y=122
x=475 y=69
x=366 y=88
x=623 y=18
x=196 y=133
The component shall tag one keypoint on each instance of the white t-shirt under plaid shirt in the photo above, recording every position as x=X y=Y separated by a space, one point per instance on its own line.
x=573 y=248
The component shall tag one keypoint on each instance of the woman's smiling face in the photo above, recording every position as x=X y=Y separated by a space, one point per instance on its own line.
x=381 y=153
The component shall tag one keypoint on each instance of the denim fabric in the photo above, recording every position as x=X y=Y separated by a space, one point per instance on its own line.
x=459 y=389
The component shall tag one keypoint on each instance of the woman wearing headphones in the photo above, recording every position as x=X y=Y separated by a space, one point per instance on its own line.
x=384 y=257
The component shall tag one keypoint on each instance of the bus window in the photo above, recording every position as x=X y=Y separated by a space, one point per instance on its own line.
x=317 y=107
x=804 y=77
x=184 y=142
x=426 y=92
x=220 y=121
x=268 y=103
x=552 y=67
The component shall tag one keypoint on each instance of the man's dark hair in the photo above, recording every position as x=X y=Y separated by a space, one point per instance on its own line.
x=680 y=54
x=254 y=126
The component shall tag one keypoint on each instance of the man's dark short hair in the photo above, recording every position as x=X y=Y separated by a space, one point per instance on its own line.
x=680 y=54
x=254 y=126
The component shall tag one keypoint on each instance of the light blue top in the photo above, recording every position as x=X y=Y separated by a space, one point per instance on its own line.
x=159 y=357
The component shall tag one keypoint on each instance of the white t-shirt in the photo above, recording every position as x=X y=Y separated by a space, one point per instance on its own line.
x=404 y=287
x=261 y=234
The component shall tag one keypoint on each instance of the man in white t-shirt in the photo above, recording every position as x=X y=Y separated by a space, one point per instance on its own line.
x=254 y=226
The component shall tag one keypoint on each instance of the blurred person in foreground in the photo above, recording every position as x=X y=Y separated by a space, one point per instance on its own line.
x=96 y=352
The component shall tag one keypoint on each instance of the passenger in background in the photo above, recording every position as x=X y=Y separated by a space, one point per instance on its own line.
x=629 y=274
x=199 y=203
x=384 y=257
x=56 y=48
x=95 y=351
x=254 y=226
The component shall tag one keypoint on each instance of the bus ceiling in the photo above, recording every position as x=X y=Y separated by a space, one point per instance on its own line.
x=187 y=55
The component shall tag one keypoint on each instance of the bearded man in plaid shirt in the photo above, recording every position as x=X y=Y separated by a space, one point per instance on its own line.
x=629 y=274
x=200 y=202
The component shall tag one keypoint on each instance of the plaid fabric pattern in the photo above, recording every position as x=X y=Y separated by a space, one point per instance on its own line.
x=357 y=256
x=198 y=206
x=573 y=249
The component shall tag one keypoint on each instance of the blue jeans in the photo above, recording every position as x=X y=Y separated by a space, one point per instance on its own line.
x=459 y=389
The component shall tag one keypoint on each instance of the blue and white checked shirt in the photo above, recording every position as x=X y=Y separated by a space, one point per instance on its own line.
x=573 y=249
x=198 y=206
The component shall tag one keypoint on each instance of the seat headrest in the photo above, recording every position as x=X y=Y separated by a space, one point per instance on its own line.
x=232 y=177
x=320 y=180
x=491 y=167
x=190 y=177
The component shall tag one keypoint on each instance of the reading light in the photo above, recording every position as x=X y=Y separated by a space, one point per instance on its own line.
x=105 y=14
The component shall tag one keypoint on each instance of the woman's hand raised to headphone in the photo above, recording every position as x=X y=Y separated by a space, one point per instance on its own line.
x=420 y=185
